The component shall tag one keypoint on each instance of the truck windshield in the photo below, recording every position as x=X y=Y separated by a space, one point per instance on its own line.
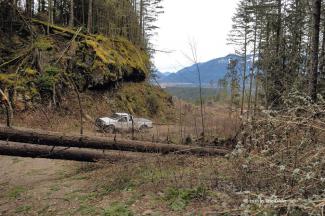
x=115 y=116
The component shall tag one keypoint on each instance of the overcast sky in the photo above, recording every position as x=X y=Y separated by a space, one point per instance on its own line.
x=207 y=22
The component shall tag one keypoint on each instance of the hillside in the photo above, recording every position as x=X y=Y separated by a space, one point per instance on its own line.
x=39 y=69
x=211 y=72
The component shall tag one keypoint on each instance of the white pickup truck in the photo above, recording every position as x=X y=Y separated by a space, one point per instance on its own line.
x=122 y=122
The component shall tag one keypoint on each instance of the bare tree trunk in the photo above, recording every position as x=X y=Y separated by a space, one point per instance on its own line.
x=195 y=60
x=51 y=11
x=49 y=16
x=267 y=73
x=201 y=100
x=42 y=5
x=83 y=12
x=252 y=69
x=257 y=75
x=180 y=123
x=141 y=21
x=322 y=58
x=14 y=3
x=71 y=19
x=6 y=103
x=276 y=73
x=313 y=80
x=29 y=8
x=244 y=74
x=54 y=8
x=90 y=16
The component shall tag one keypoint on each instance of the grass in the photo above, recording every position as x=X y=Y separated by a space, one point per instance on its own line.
x=55 y=188
x=118 y=209
x=23 y=209
x=122 y=183
x=179 y=198
x=85 y=209
x=16 y=192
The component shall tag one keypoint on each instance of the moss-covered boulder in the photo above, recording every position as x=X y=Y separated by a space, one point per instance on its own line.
x=103 y=61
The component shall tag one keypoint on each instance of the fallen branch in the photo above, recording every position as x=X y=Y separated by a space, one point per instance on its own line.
x=69 y=45
x=13 y=60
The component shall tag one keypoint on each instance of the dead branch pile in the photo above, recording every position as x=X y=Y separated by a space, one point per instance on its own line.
x=280 y=160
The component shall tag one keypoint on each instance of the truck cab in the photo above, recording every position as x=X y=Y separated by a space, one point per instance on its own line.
x=122 y=122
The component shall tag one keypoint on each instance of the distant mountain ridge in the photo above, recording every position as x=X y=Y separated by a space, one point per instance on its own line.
x=211 y=71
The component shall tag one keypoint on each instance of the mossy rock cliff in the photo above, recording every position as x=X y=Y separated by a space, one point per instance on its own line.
x=42 y=65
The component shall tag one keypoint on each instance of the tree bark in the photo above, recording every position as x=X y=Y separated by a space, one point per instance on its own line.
x=29 y=8
x=322 y=58
x=42 y=5
x=61 y=153
x=252 y=69
x=6 y=103
x=313 y=80
x=59 y=139
x=71 y=19
x=244 y=74
x=141 y=21
x=90 y=16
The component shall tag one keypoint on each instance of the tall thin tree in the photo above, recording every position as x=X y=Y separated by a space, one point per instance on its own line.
x=313 y=80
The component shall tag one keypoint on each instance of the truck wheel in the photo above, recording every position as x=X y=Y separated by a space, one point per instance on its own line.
x=143 y=127
x=109 y=129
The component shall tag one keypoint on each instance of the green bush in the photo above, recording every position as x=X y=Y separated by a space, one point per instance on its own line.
x=46 y=80
x=153 y=104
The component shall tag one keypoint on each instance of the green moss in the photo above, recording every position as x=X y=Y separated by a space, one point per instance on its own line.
x=44 y=43
x=7 y=79
x=30 y=72
x=101 y=37
x=120 y=53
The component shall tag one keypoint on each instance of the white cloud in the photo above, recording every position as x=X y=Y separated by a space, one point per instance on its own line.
x=208 y=22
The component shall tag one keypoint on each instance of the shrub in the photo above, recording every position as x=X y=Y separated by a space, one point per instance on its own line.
x=153 y=104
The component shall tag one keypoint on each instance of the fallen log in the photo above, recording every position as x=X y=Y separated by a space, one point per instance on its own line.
x=62 y=153
x=59 y=139
x=62 y=30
